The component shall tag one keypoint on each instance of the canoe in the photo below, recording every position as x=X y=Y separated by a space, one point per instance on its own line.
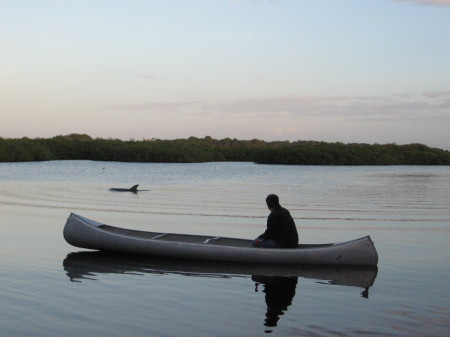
x=85 y=233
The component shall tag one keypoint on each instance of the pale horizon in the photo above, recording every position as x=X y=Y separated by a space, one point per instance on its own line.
x=349 y=71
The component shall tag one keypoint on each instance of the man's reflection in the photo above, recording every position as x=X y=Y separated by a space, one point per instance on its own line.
x=280 y=292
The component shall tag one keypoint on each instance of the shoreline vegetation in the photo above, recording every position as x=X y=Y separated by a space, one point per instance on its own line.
x=194 y=150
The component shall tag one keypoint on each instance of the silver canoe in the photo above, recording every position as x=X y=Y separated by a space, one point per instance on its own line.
x=85 y=233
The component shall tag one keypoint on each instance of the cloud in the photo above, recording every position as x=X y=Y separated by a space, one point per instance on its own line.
x=437 y=94
x=428 y=2
x=146 y=77
x=196 y=106
x=428 y=106
x=393 y=108
x=420 y=2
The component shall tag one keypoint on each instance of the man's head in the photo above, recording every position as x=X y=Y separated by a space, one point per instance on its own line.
x=272 y=201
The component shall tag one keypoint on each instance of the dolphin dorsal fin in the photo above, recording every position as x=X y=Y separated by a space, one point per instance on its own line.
x=134 y=188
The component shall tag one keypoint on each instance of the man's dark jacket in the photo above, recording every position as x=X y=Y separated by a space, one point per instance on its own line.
x=281 y=228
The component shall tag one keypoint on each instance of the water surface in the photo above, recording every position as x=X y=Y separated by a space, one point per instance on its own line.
x=49 y=288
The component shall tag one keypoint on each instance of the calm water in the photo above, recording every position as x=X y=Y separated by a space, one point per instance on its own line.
x=49 y=288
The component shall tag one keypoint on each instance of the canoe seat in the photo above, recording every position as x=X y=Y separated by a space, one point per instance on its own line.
x=159 y=236
x=210 y=239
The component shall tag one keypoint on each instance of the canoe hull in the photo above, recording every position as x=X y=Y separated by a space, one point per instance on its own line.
x=85 y=233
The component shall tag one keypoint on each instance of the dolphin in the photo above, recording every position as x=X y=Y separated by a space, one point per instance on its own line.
x=131 y=189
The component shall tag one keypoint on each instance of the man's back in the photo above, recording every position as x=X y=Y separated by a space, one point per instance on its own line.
x=281 y=228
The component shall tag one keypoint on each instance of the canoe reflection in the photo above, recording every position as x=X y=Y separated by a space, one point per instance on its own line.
x=85 y=265
x=279 y=282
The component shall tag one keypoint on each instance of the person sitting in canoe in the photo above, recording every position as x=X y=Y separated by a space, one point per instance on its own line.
x=281 y=231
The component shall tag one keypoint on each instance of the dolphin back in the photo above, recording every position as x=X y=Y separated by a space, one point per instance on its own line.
x=133 y=189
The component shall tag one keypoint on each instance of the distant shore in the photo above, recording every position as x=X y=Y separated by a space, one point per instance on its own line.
x=194 y=150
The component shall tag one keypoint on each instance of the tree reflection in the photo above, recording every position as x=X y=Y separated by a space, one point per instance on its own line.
x=279 y=293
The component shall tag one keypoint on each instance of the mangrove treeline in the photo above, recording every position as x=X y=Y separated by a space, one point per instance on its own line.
x=83 y=147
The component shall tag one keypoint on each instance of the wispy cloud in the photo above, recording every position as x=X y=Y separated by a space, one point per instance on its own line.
x=420 y=2
x=437 y=94
x=429 y=106
x=146 y=77
x=428 y=2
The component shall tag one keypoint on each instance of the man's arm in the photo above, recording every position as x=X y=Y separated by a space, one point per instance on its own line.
x=271 y=227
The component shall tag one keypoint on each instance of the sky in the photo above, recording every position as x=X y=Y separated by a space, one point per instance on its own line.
x=351 y=71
